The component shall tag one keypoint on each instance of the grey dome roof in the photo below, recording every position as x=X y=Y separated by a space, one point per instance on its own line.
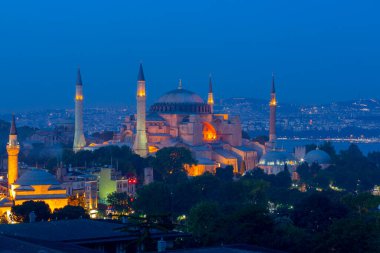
x=317 y=156
x=37 y=177
x=276 y=158
x=180 y=96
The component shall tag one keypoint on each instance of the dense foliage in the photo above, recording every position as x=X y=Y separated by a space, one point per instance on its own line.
x=42 y=212
x=69 y=212
x=20 y=213
x=336 y=213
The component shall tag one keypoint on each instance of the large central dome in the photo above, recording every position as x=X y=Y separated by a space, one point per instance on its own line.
x=180 y=96
x=180 y=101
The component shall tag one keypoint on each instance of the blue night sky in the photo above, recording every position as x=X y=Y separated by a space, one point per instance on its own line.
x=320 y=50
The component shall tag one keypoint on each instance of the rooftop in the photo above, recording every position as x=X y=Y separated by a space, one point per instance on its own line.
x=180 y=96
x=74 y=231
x=37 y=177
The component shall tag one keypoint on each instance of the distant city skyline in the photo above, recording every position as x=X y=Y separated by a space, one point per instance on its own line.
x=320 y=51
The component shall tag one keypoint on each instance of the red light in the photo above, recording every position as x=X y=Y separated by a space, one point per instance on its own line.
x=132 y=180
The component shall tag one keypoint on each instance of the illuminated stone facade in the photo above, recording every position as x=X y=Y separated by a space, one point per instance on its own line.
x=79 y=140
x=13 y=149
x=140 y=145
x=272 y=118
x=182 y=118
x=38 y=185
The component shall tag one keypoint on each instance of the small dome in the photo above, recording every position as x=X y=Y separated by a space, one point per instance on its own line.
x=36 y=177
x=317 y=156
x=272 y=158
x=180 y=96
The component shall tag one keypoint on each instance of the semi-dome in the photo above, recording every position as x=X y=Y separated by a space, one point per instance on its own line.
x=36 y=177
x=180 y=101
x=180 y=96
x=273 y=158
x=317 y=156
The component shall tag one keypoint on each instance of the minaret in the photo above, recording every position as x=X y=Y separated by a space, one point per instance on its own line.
x=140 y=145
x=180 y=84
x=210 y=98
x=272 y=117
x=79 y=141
x=13 y=148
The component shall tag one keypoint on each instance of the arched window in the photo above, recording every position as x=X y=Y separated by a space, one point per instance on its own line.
x=209 y=132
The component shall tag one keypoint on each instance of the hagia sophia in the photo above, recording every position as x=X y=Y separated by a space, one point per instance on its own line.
x=179 y=118
x=182 y=118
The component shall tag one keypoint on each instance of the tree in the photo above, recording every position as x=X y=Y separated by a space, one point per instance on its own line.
x=309 y=174
x=20 y=213
x=355 y=172
x=226 y=173
x=328 y=147
x=248 y=224
x=352 y=234
x=79 y=200
x=184 y=197
x=316 y=212
x=122 y=158
x=258 y=193
x=290 y=238
x=154 y=199
x=120 y=202
x=374 y=157
x=361 y=203
x=310 y=147
x=207 y=185
x=204 y=222
x=283 y=178
x=70 y=212
x=170 y=161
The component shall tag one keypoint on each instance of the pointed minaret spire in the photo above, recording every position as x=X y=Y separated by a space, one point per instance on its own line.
x=140 y=76
x=180 y=84
x=79 y=140
x=79 y=78
x=209 y=84
x=273 y=87
x=140 y=146
x=13 y=130
x=210 y=97
x=272 y=117
x=13 y=149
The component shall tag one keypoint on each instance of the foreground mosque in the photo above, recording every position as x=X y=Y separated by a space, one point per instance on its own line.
x=182 y=118
x=32 y=184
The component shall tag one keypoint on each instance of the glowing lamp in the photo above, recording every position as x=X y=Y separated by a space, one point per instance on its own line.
x=132 y=180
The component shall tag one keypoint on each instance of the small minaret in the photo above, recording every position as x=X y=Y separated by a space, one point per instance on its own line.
x=272 y=116
x=140 y=145
x=13 y=148
x=180 y=84
x=210 y=98
x=79 y=141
